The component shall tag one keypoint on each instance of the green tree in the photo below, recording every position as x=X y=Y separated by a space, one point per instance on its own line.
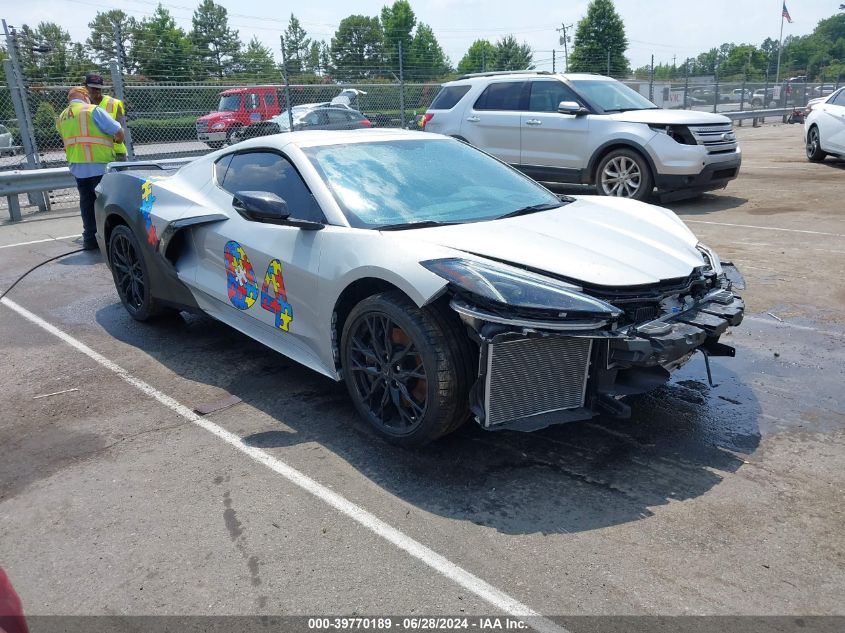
x=216 y=46
x=297 y=46
x=161 y=50
x=427 y=60
x=480 y=57
x=356 y=48
x=101 y=39
x=398 y=22
x=256 y=62
x=47 y=54
x=312 y=62
x=511 y=55
x=600 y=32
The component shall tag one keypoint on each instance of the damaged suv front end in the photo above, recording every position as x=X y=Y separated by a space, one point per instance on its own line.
x=553 y=350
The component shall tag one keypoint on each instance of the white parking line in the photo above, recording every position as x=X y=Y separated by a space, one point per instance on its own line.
x=48 y=239
x=764 y=228
x=795 y=326
x=442 y=565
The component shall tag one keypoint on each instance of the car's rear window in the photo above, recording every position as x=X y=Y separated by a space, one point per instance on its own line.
x=448 y=97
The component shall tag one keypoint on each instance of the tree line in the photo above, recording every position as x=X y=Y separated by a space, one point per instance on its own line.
x=155 y=48
x=820 y=56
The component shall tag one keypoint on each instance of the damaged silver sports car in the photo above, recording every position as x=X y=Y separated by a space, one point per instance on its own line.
x=437 y=282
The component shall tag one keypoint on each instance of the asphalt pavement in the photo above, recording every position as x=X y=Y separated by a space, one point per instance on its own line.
x=117 y=499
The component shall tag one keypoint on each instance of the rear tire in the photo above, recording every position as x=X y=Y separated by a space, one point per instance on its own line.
x=814 y=146
x=624 y=173
x=131 y=275
x=408 y=369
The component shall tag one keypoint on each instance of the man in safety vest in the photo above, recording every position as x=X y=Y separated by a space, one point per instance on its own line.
x=112 y=105
x=89 y=135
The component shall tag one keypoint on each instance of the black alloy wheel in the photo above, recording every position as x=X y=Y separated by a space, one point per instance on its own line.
x=389 y=373
x=131 y=278
x=407 y=369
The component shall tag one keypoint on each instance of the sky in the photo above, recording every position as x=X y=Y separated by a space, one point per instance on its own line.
x=664 y=28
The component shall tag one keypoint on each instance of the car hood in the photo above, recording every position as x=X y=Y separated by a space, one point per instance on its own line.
x=597 y=241
x=670 y=117
x=212 y=117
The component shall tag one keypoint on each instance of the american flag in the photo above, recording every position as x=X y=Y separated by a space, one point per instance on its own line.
x=786 y=13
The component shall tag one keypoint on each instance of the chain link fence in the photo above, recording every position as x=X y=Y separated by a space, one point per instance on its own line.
x=189 y=118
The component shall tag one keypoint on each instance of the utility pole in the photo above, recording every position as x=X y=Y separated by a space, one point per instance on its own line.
x=608 y=63
x=564 y=39
x=651 y=80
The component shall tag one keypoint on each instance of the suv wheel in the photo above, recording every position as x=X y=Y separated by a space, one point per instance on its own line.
x=624 y=173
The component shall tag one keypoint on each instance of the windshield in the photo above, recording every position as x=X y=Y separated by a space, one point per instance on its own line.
x=229 y=103
x=422 y=180
x=612 y=96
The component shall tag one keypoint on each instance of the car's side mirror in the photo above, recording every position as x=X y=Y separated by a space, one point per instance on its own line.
x=267 y=207
x=571 y=107
x=261 y=206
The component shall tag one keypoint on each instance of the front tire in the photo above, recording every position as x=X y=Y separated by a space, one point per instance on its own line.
x=624 y=173
x=407 y=369
x=232 y=135
x=814 y=146
x=131 y=275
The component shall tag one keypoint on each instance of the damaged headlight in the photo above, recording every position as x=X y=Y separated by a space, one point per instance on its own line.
x=711 y=259
x=519 y=288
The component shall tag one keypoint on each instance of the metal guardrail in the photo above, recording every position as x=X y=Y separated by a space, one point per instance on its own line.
x=743 y=115
x=16 y=182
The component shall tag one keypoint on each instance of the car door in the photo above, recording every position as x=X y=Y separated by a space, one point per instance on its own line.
x=832 y=124
x=556 y=142
x=258 y=277
x=492 y=122
x=338 y=119
x=252 y=104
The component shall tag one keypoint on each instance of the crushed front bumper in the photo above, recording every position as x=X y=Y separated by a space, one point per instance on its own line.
x=532 y=375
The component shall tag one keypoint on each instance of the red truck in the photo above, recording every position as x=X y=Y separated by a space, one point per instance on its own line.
x=238 y=107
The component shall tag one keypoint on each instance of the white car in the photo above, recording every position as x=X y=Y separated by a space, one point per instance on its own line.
x=438 y=282
x=824 y=127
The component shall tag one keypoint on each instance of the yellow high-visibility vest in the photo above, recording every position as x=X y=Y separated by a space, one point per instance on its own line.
x=115 y=109
x=84 y=142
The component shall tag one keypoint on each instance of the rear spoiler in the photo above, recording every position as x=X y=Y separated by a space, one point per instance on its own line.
x=164 y=164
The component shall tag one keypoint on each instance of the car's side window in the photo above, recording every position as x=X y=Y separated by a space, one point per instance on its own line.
x=547 y=95
x=317 y=117
x=501 y=96
x=268 y=171
x=337 y=116
x=839 y=99
x=220 y=168
x=269 y=98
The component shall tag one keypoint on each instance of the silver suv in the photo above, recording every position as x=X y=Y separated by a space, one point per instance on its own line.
x=588 y=129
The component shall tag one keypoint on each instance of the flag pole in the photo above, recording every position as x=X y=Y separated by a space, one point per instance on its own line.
x=780 y=48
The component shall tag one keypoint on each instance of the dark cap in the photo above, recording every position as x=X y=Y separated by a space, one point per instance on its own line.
x=94 y=80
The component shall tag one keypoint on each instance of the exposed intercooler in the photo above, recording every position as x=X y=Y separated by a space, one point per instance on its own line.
x=533 y=376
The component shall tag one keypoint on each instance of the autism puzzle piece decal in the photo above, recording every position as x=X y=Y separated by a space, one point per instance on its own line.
x=147 y=200
x=240 y=278
x=273 y=296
